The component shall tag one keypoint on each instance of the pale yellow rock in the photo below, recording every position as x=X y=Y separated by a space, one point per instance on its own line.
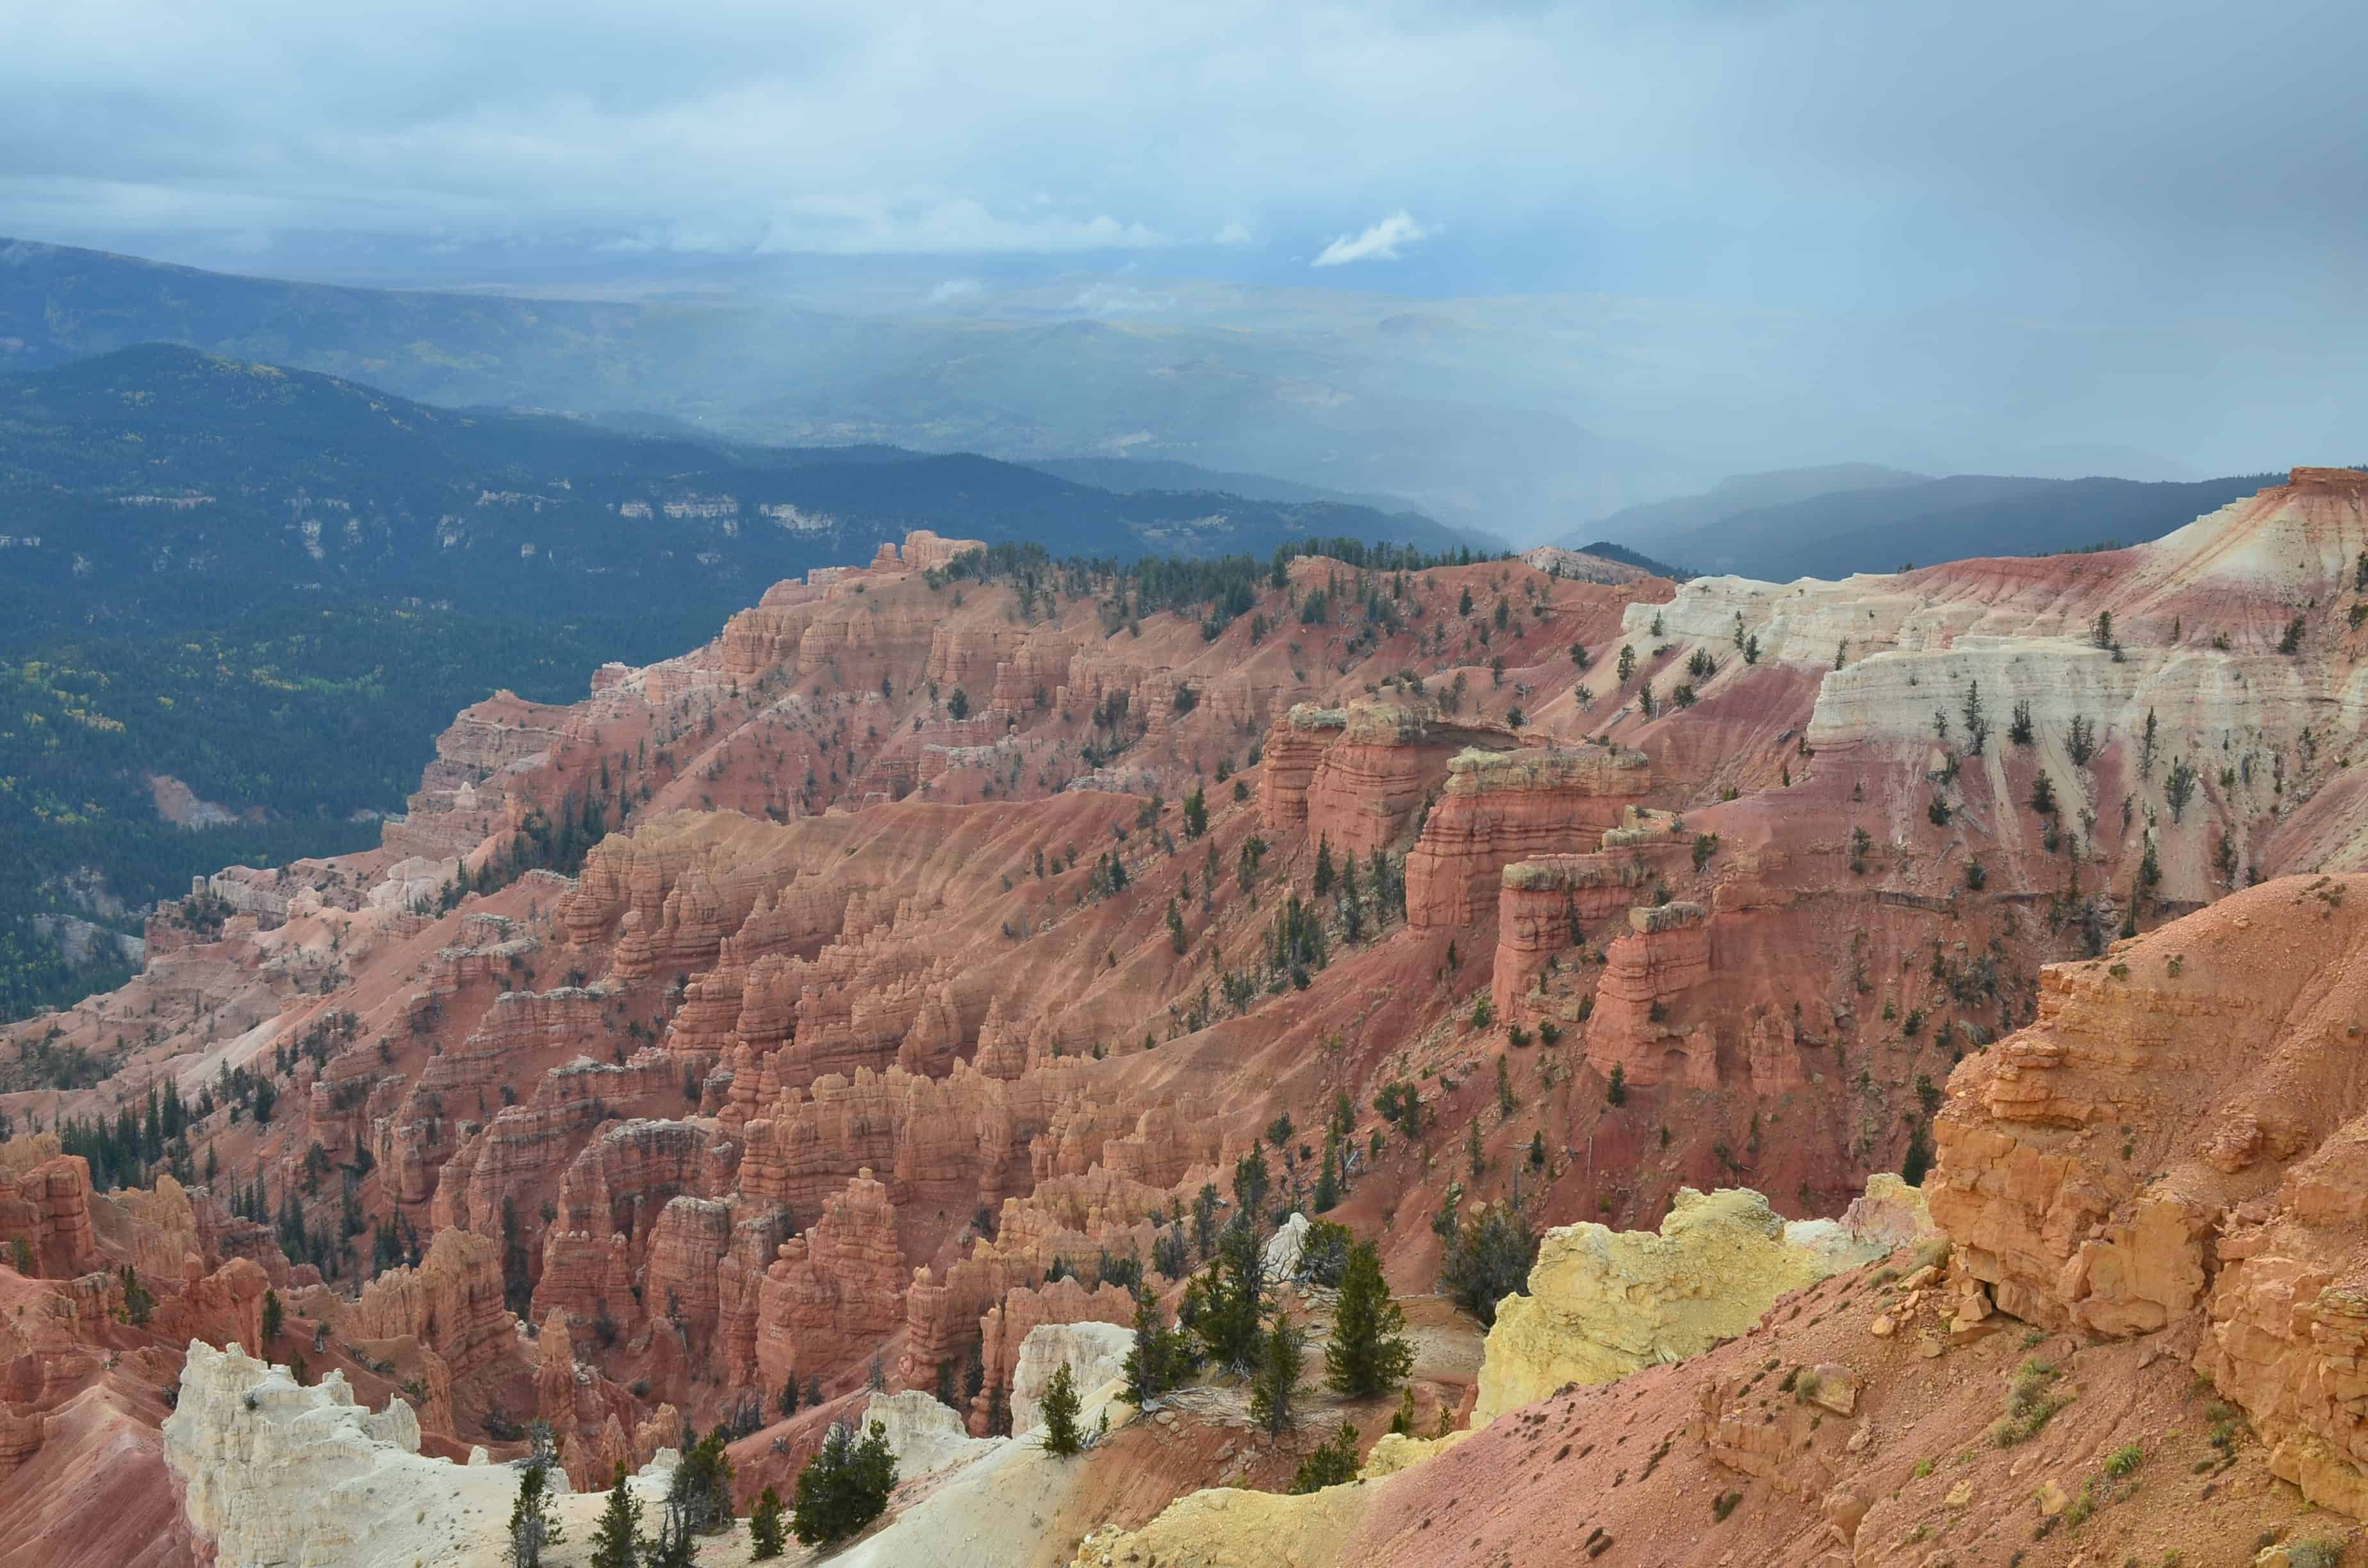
x=1959 y=1495
x=2053 y=1499
x=1394 y=1453
x=1226 y=1528
x=1603 y=1304
x=1882 y=1327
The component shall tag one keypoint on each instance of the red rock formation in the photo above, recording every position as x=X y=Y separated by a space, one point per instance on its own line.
x=1554 y=908
x=1356 y=777
x=452 y=1304
x=46 y=1206
x=610 y=1205
x=835 y=1291
x=1499 y=808
x=1665 y=953
x=828 y=967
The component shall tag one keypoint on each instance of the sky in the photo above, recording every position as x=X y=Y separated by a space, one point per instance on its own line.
x=2097 y=167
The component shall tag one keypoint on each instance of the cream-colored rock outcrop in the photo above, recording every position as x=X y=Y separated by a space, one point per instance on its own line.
x=1603 y=1304
x=1096 y=1354
x=926 y=1436
x=278 y=1475
x=998 y=1509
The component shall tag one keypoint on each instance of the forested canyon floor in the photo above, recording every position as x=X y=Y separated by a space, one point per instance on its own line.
x=852 y=998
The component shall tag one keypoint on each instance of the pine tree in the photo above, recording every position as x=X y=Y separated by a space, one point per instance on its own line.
x=789 y=1399
x=1327 y=1179
x=765 y=1527
x=1323 y=866
x=1062 y=1439
x=274 y=1316
x=1252 y=1182
x=534 y=1527
x=1160 y=1358
x=1224 y=1303
x=1368 y=1351
x=1274 y=1391
x=844 y=1487
x=702 y=1485
x=617 y=1542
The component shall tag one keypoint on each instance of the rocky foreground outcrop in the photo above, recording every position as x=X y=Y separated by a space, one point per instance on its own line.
x=2182 y=1133
x=1602 y=1304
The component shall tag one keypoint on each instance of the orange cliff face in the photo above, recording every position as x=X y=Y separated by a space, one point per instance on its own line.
x=2178 y=1141
x=840 y=922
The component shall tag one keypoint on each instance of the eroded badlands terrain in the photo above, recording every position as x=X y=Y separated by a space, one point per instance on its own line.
x=847 y=1001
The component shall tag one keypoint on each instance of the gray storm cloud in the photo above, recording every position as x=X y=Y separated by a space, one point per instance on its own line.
x=2095 y=221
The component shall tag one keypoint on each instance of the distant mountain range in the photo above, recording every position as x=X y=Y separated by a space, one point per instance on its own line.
x=157 y=487
x=1334 y=402
x=1830 y=522
x=1135 y=475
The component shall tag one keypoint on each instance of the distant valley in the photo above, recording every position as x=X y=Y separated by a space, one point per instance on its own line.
x=264 y=590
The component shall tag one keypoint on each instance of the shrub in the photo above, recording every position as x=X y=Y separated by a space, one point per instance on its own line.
x=701 y=1493
x=616 y=1541
x=1161 y=1356
x=1488 y=1260
x=1333 y=1464
x=2030 y=1400
x=2123 y=1459
x=1324 y=1256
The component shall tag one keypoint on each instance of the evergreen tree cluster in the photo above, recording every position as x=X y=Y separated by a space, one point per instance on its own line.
x=844 y=1487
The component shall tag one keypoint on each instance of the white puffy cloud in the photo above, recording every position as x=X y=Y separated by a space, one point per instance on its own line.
x=1378 y=243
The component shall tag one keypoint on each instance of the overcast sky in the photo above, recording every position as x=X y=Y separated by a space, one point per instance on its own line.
x=2088 y=165
x=2084 y=154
